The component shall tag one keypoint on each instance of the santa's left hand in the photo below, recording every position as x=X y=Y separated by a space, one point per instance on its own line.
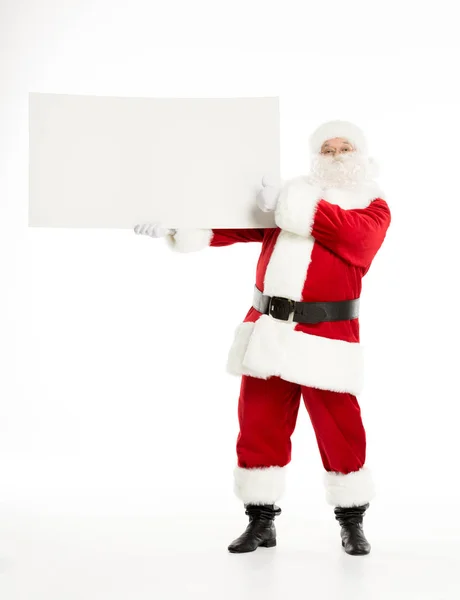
x=267 y=197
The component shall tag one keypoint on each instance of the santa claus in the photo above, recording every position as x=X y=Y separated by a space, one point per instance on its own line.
x=300 y=339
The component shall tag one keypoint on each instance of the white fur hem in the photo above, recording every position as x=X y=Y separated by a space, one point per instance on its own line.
x=269 y=347
x=353 y=489
x=264 y=485
x=190 y=240
x=296 y=206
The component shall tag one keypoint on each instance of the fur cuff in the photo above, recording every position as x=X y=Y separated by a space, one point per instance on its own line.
x=353 y=489
x=190 y=240
x=264 y=485
x=296 y=207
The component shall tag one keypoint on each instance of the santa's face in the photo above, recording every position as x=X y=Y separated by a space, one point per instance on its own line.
x=340 y=165
x=336 y=146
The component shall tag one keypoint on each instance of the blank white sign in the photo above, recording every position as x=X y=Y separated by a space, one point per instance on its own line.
x=114 y=162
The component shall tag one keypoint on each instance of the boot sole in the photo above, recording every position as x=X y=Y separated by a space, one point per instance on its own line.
x=355 y=553
x=267 y=544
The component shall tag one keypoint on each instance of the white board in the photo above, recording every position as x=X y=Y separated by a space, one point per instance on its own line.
x=115 y=162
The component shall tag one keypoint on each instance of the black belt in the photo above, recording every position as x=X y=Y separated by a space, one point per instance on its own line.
x=305 y=312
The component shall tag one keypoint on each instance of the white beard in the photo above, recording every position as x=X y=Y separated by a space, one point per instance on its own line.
x=347 y=171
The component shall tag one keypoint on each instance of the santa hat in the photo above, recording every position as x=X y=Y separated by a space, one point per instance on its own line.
x=336 y=129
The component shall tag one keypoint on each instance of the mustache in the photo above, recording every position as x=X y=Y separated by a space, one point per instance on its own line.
x=340 y=161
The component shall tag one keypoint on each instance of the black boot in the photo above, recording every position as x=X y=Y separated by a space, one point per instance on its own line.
x=351 y=520
x=260 y=531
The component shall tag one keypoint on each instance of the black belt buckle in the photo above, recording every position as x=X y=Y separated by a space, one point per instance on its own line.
x=281 y=308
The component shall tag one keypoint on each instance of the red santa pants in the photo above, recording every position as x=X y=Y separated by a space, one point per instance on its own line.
x=267 y=413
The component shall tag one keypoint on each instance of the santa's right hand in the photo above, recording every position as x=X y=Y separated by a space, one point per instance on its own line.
x=268 y=195
x=154 y=230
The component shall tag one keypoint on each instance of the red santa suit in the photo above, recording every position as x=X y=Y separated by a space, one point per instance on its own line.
x=323 y=244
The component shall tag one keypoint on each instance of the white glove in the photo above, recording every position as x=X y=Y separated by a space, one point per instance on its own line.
x=154 y=230
x=267 y=198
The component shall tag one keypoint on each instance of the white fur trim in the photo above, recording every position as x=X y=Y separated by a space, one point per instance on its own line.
x=238 y=348
x=270 y=347
x=296 y=206
x=288 y=265
x=338 y=129
x=349 y=199
x=190 y=240
x=353 y=489
x=264 y=485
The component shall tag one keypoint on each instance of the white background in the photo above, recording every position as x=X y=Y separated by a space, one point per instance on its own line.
x=117 y=420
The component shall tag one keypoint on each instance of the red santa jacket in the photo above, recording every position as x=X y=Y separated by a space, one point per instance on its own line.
x=323 y=244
